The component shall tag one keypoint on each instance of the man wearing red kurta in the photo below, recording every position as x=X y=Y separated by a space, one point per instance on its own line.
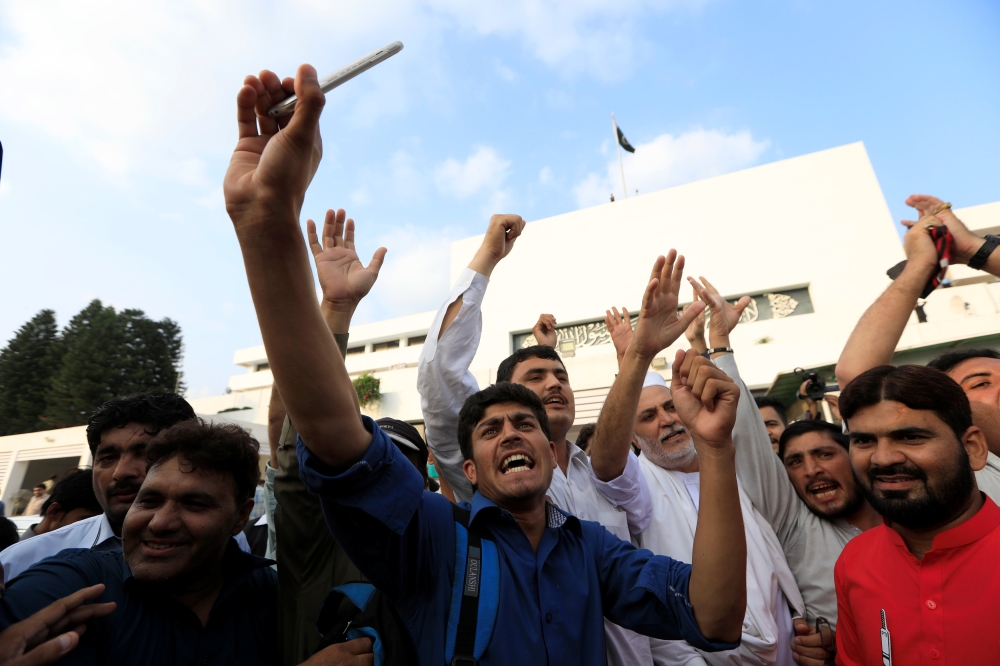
x=923 y=588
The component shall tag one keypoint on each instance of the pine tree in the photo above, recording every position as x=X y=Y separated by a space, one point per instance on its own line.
x=107 y=354
x=27 y=364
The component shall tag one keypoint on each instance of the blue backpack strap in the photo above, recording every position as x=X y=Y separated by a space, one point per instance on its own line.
x=475 y=594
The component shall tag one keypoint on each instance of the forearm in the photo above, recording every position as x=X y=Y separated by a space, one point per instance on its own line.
x=874 y=339
x=308 y=370
x=612 y=439
x=275 y=421
x=718 y=564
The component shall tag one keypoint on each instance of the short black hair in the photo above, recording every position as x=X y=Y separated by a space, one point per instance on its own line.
x=156 y=411
x=773 y=403
x=945 y=362
x=8 y=532
x=800 y=428
x=497 y=394
x=224 y=448
x=38 y=485
x=75 y=492
x=916 y=386
x=506 y=368
x=586 y=432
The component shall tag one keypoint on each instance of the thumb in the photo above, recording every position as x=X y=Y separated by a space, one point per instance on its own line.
x=801 y=627
x=375 y=265
x=309 y=106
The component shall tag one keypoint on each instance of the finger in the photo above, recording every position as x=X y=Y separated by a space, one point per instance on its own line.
x=668 y=271
x=77 y=619
x=647 y=296
x=741 y=305
x=923 y=202
x=907 y=223
x=678 y=276
x=626 y=317
x=708 y=286
x=677 y=370
x=37 y=627
x=330 y=229
x=801 y=627
x=338 y=227
x=691 y=313
x=810 y=652
x=273 y=94
x=349 y=234
x=657 y=268
x=246 y=116
x=288 y=85
x=375 y=265
x=366 y=660
x=690 y=357
x=313 y=238
x=699 y=291
x=609 y=320
x=617 y=318
x=49 y=651
x=304 y=125
x=361 y=645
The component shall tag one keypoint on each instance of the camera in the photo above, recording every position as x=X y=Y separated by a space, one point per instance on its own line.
x=816 y=387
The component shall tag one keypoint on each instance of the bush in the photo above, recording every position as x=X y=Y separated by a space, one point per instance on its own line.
x=367 y=387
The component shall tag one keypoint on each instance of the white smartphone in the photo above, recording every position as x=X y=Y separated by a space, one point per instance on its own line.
x=363 y=64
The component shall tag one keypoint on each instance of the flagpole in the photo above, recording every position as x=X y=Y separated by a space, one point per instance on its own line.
x=621 y=165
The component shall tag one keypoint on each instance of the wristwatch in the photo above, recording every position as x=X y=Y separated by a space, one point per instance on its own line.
x=979 y=259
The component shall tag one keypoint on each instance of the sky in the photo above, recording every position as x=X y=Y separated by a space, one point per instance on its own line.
x=118 y=119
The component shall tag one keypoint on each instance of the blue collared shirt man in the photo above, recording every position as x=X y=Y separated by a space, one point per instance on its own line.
x=552 y=602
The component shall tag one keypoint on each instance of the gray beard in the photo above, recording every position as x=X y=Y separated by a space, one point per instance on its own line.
x=673 y=458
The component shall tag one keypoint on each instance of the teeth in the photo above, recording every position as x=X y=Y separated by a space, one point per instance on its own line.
x=159 y=546
x=510 y=467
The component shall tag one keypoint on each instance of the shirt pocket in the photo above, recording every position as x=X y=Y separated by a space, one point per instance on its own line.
x=615 y=521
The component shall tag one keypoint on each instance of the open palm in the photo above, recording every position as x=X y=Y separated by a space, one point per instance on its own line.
x=725 y=316
x=342 y=277
x=659 y=325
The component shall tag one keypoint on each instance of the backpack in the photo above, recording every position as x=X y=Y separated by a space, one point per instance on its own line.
x=356 y=610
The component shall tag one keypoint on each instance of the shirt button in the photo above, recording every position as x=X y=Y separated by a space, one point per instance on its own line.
x=548 y=617
x=931 y=604
x=935 y=654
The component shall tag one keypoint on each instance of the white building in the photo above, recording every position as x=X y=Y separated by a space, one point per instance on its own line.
x=810 y=238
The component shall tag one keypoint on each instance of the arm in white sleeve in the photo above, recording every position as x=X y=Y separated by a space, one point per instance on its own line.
x=444 y=381
x=629 y=492
x=758 y=469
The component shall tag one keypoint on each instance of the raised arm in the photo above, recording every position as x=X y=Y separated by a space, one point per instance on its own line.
x=967 y=244
x=264 y=187
x=658 y=327
x=706 y=401
x=443 y=377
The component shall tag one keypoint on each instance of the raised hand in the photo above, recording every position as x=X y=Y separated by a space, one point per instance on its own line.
x=705 y=399
x=53 y=631
x=935 y=212
x=620 y=328
x=545 y=331
x=725 y=317
x=659 y=326
x=274 y=161
x=695 y=333
x=497 y=243
x=342 y=277
x=921 y=254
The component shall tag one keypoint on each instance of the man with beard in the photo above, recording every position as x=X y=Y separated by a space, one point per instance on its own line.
x=117 y=434
x=445 y=382
x=922 y=587
x=641 y=408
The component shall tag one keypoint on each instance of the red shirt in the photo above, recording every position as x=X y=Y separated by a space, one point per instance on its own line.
x=942 y=610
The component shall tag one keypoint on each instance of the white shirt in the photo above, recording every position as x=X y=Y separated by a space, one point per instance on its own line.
x=444 y=382
x=94 y=533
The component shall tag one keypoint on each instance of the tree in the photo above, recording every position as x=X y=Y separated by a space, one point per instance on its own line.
x=27 y=364
x=106 y=354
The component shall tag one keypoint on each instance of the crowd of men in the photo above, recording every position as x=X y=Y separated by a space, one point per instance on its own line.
x=693 y=524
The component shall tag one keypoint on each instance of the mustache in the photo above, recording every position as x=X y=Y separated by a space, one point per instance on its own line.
x=898 y=468
x=673 y=431
x=126 y=487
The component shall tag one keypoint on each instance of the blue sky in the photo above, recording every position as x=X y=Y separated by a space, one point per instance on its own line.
x=117 y=125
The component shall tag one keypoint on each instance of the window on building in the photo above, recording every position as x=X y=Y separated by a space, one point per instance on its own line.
x=388 y=344
x=416 y=340
x=351 y=351
x=262 y=366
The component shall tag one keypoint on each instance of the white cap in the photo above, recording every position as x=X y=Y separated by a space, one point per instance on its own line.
x=654 y=379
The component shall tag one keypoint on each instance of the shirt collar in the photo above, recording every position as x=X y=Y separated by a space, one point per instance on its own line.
x=985 y=521
x=554 y=516
x=104 y=531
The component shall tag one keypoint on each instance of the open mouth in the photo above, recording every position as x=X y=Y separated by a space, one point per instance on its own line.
x=895 y=481
x=674 y=437
x=554 y=399
x=824 y=491
x=516 y=463
x=161 y=548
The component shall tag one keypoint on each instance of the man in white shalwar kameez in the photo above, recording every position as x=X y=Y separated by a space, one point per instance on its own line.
x=640 y=403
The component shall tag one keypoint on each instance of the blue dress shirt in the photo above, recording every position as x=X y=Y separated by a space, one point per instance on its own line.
x=149 y=626
x=552 y=602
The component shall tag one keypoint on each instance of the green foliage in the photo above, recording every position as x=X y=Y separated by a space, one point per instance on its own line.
x=99 y=355
x=27 y=364
x=367 y=387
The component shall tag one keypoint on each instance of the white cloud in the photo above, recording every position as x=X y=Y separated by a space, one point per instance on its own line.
x=596 y=37
x=544 y=176
x=668 y=160
x=505 y=73
x=484 y=170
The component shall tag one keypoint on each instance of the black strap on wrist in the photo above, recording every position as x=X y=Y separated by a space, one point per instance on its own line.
x=720 y=350
x=985 y=250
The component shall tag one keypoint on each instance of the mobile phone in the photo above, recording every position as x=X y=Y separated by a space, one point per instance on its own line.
x=944 y=242
x=363 y=64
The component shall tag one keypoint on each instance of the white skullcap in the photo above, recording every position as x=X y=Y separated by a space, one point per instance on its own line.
x=654 y=379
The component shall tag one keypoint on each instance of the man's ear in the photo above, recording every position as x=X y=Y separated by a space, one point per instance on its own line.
x=975 y=445
x=244 y=514
x=469 y=467
x=55 y=512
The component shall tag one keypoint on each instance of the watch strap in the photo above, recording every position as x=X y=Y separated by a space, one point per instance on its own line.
x=985 y=250
x=720 y=350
